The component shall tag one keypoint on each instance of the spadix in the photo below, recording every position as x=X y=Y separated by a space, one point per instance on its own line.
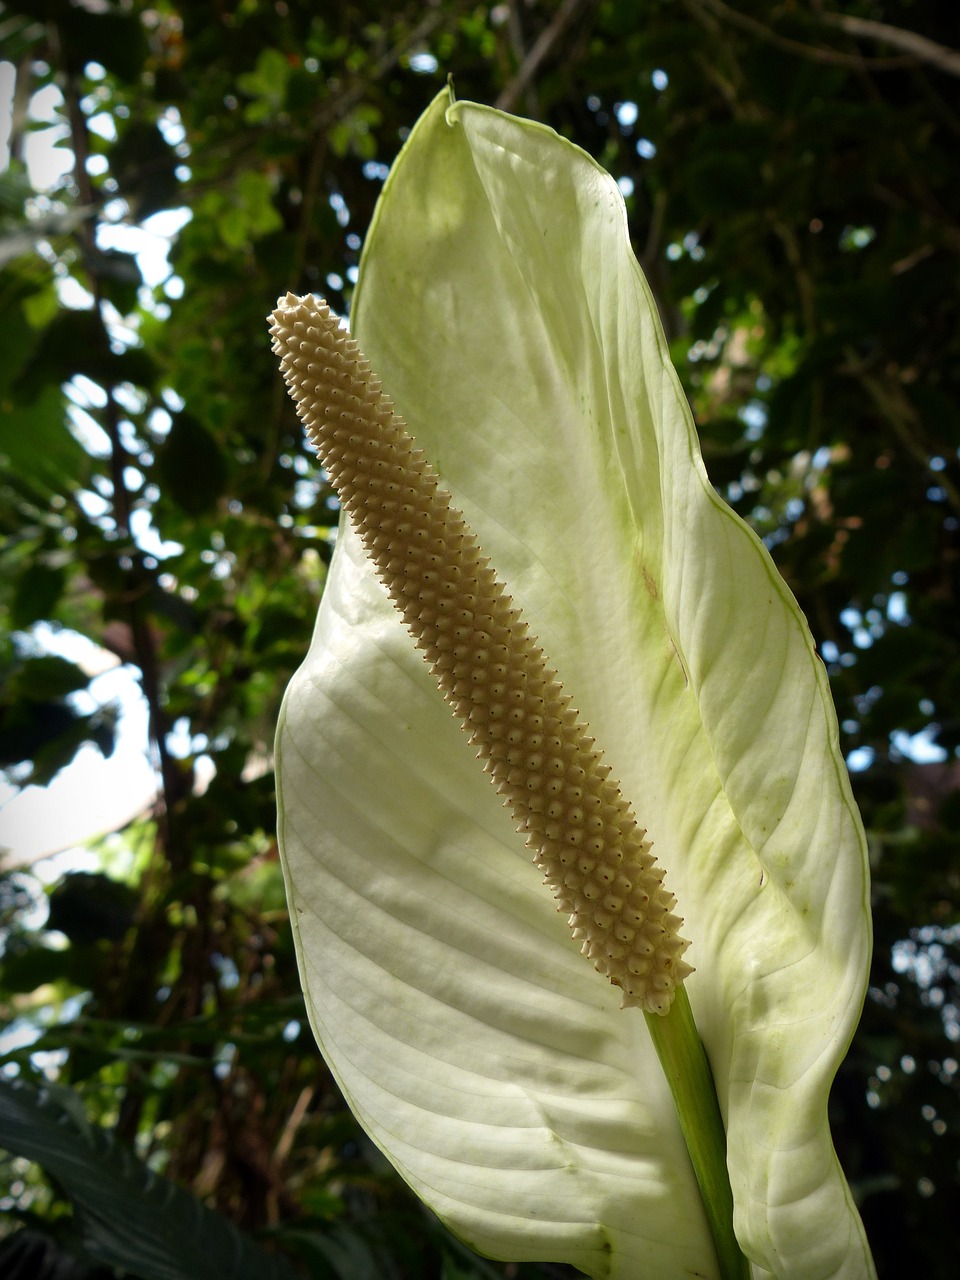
x=491 y=671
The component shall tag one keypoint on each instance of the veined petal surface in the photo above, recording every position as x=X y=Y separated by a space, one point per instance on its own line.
x=500 y=303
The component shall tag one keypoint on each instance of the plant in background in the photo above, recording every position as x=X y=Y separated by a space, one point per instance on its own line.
x=806 y=297
x=501 y=305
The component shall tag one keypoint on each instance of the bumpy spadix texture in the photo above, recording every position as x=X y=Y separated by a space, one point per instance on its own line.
x=583 y=834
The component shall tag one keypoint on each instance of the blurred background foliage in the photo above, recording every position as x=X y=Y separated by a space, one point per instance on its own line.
x=791 y=177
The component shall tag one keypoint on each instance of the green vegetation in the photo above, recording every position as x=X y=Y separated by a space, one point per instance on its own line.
x=791 y=180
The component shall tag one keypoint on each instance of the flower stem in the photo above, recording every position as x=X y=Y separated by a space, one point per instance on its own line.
x=688 y=1073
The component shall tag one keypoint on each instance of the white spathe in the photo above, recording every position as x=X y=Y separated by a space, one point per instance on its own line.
x=501 y=305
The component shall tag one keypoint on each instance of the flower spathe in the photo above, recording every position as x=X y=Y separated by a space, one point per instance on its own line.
x=501 y=305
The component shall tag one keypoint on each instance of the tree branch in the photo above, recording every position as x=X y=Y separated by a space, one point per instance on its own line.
x=917 y=46
x=544 y=43
x=519 y=49
x=832 y=57
x=893 y=404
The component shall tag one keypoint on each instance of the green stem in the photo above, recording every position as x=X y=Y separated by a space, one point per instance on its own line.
x=688 y=1073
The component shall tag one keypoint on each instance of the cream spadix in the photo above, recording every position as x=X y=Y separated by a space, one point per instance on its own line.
x=585 y=838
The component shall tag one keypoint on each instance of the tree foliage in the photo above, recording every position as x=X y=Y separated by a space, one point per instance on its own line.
x=791 y=180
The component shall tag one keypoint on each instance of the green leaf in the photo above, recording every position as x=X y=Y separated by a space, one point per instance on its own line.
x=145 y=166
x=27 y=969
x=266 y=84
x=37 y=724
x=47 y=1252
x=107 y=35
x=88 y=905
x=501 y=305
x=73 y=343
x=37 y=448
x=35 y=596
x=48 y=676
x=244 y=212
x=191 y=466
x=118 y=274
x=130 y=1217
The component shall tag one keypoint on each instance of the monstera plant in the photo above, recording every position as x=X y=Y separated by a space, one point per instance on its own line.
x=530 y=537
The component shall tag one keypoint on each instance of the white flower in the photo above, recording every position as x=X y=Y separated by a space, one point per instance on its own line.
x=501 y=306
